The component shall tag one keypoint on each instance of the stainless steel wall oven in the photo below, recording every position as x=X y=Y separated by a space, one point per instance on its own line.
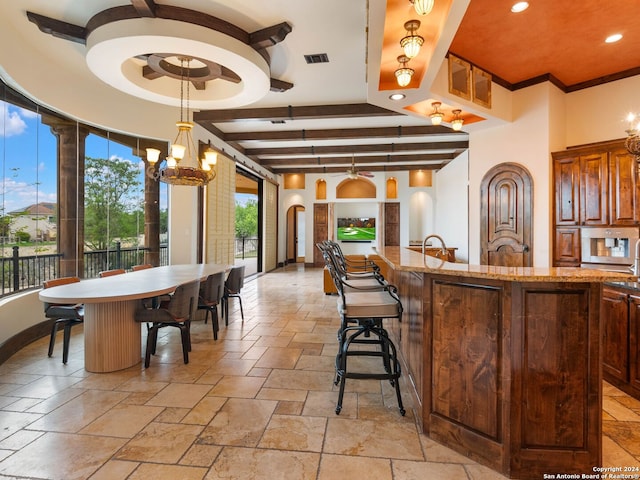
x=608 y=248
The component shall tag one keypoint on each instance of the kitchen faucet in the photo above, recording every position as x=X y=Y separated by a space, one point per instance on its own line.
x=444 y=247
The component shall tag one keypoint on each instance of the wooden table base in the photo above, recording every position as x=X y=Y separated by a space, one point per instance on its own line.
x=112 y=337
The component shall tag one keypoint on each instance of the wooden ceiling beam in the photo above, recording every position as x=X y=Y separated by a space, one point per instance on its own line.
x=387 y=159
x=342 y=133
x=58 y=28
x=292 y=113
x=373 y=148
x=145 y=8
x=339 y=170
x=270 y=36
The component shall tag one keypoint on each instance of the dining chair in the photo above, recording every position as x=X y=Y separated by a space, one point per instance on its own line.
x=65 y=315
x=109 y=273
x=211 y=293
x=177 y=312
x=232 y=287
x=143 y=266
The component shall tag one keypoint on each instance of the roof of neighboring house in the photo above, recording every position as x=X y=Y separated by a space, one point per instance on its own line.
x=42 y=208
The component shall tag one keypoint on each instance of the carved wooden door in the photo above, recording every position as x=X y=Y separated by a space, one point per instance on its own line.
x=320 y=230
x=506 y=216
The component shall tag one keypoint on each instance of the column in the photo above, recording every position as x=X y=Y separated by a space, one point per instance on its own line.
x=151 y=215
x=71 y=152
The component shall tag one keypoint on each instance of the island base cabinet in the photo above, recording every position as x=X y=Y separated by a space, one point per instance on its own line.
x=510 y=371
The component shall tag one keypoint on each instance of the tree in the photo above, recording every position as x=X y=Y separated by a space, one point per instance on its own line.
x=247 y=219
x=112 y=193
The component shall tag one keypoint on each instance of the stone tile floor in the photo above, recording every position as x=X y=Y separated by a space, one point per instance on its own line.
x=257 y=404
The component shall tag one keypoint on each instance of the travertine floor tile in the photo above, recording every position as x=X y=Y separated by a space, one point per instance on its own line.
x=276 y=357
x=336 y=467
x=286 y=432
x=160 y=442
x=258 y=464
x=61 y=456
x=150 y=471
x=240 y=422
x=373 y=439
x=79 y=412
x=404 y=470
x=180 y=395
x=122 y=421
x=235 y=386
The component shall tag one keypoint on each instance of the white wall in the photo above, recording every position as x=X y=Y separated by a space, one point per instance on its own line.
x=452 y=207
x=526 y=141
x=19 y=312
x=598 y=114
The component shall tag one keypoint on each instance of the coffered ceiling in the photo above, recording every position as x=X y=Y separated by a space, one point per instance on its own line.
x=274 y=101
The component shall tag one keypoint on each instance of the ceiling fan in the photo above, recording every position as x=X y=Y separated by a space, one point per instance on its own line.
x=353 y=173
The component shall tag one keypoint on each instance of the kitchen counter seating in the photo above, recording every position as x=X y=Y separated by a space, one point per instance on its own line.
x=504 y=362
x=328 y=285
x=365 y=302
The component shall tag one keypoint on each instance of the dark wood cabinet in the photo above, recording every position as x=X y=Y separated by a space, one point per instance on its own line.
x=634 y=344
x=566 y=173
x=594 y=185
x=620 y=314
x=320 y=230
x=566 y=251
x=392 y=224
x=615 y=334
x=594 y=200
x=624 y=188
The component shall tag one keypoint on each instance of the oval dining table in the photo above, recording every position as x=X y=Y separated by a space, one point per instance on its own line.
x=112 y=337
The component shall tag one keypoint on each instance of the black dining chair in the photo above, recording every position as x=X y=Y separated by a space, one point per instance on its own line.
x=211 y=293
x=232 y=287
x=176 y=312
x=63 y=315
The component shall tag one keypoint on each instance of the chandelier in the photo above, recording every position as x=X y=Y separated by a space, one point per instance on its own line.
x=412 y=42
x=183 y=147
x=423 y=7
x=404 y=73
x=436 y=115
x=632 y=143
x=456 y=123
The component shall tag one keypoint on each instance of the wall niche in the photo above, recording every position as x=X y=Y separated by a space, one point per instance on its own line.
x=356 y=188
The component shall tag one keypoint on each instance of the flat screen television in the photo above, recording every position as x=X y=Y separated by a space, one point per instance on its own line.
x=356 y=229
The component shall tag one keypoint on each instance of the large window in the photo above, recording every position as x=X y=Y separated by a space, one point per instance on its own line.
x=114 y=215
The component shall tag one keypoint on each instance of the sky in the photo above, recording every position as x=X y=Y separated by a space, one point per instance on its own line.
x=28 y=159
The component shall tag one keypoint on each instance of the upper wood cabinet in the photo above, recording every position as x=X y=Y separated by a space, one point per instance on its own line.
x=596 y=186
x=624 y=188
x=566 y=172
x=594 y=199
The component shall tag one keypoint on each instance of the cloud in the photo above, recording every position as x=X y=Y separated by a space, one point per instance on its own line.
x=18 y=195
x=11 y=123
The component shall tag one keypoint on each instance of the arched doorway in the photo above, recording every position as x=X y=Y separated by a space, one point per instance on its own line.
x=506 y=215
x=295 y=234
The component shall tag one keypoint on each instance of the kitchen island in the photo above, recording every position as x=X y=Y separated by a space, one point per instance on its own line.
x=504 y=362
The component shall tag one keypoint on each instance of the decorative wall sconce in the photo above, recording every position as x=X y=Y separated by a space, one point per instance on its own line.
x=412 y=42
x=632 y=143
x=404 y=73
x=423 y=7
x=436 y=115
x=456 y=123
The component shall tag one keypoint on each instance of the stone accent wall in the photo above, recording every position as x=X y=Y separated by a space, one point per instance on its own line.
x=220 y=214
x=270 y=230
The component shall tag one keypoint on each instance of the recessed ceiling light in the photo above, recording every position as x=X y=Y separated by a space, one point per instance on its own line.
x=519 y=7
x=396 y=96
x=613 y=38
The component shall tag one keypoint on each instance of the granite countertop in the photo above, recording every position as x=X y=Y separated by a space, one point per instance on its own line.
x=628 y=285
x=401 y=258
